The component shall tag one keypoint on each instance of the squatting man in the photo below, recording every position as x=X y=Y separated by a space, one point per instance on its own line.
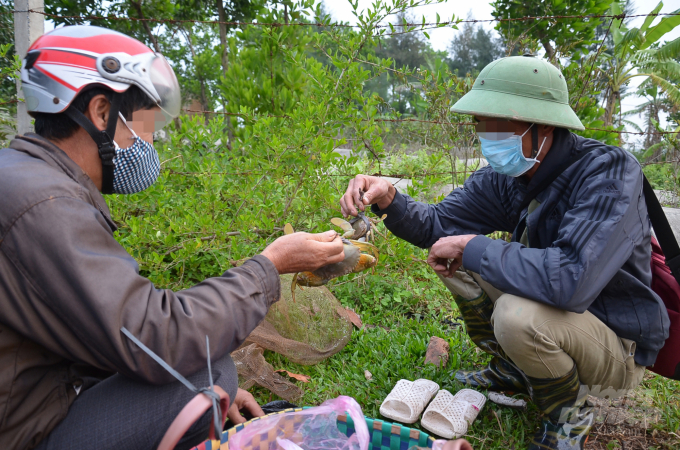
x=566 y=307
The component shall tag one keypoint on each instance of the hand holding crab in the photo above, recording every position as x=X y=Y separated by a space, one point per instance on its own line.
x=304 y=251
x=376 y=191
x=354 y=261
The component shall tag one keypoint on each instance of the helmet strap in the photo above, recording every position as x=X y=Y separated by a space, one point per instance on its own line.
x=103 y=139
x=534 y=141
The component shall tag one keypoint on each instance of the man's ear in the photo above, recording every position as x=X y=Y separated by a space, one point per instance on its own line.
x=98 y=111
x=547 y=130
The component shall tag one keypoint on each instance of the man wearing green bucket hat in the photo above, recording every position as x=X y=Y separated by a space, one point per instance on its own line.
x=565 y=308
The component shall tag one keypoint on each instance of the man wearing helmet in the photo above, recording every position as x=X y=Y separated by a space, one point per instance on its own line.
x=69 y=377
x=565 y=309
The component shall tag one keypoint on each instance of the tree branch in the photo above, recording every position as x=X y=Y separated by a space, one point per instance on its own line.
x=145 y=24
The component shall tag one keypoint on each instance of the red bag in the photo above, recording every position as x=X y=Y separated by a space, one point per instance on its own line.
x=665 y=285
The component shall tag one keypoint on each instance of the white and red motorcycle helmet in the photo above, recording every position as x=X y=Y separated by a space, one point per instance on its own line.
x=63 y=62
x=68 y=60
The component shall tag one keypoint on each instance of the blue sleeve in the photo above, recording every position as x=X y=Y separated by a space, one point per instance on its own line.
x=595 y=239
x=481 y=206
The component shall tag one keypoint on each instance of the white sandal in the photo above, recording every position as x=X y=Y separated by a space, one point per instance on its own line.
x=449 y=416
x=408 y=399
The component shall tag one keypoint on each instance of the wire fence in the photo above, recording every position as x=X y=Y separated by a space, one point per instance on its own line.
x=345 y=25
x=409 y=27
x=439 y=122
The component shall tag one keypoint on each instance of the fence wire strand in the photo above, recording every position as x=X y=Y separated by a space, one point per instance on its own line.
x=344 y=25
x=414 y=26
x=437 y=122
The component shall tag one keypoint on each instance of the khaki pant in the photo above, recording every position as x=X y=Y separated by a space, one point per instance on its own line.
x=546 y=342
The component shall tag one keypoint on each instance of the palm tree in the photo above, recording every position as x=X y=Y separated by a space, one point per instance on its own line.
x=655 y=104
x=634 y=56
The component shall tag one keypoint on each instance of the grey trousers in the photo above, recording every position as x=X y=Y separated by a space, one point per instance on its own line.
x=120 y=413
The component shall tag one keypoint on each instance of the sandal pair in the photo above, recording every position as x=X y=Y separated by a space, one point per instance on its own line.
x=448 y=415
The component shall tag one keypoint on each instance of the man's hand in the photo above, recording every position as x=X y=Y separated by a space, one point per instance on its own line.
x=243 y=401
x=376 y=191
x=446 y=255
x=458 y=444
x=299 y=252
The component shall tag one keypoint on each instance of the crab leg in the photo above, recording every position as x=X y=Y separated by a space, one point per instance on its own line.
x=292 y=286
x=288 y=229
x=366 y=247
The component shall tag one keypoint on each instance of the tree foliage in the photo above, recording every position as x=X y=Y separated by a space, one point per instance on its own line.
x=293 y=111
x=575 y=34
x=637 y=53
x=472 y=48
x=232 y=69
x=190 y=47
x=8 y=85
x=9 y=64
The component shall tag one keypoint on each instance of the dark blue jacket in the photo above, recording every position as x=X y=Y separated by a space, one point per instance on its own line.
x=589 y=239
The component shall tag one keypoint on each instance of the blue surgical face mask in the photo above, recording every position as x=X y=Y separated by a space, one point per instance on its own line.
x=136 y=167
x=505 y=155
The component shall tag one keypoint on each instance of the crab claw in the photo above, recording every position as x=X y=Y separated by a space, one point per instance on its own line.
x=356 y=228
x=344 y=225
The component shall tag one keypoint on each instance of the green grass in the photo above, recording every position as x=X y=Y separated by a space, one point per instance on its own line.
x=665 y=396
x=392 y=346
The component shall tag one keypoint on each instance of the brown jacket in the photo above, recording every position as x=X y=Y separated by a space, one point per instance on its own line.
x=67 y=287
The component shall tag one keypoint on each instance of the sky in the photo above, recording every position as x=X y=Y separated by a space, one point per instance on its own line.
x=480 y=9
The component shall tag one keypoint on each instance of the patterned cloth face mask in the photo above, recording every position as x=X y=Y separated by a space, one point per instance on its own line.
x=136 y=167
x=504 y=152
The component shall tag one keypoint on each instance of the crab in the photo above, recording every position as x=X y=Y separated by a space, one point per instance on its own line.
x=359 y=228
x=356 y=228
x=359 y=256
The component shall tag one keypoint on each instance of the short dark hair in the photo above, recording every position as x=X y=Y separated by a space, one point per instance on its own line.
x=60 y=126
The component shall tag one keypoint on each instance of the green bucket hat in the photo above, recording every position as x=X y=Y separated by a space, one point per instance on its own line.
x=521 y=88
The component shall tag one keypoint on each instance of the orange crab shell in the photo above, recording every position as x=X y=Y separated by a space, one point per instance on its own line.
x=354 y=261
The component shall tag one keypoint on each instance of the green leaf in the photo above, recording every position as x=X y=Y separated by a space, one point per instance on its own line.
x=668 y=69
x=670 y=89
x=669 y=50
x=665 y=25
x=649 y=19
x=631 y=38
x=426 y=35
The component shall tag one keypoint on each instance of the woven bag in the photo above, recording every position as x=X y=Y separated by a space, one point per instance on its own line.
x=383 y=435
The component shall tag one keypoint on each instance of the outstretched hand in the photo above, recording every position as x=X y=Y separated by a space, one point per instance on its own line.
x=446 y=255
x=299 y=252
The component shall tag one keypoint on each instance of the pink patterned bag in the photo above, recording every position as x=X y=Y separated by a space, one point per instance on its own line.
x=310 y=429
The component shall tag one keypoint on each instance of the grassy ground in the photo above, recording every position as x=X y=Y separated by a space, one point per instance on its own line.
x=392 y=346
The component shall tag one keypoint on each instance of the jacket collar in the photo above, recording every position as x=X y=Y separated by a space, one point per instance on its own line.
x=39 y=147
x=562 y=148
